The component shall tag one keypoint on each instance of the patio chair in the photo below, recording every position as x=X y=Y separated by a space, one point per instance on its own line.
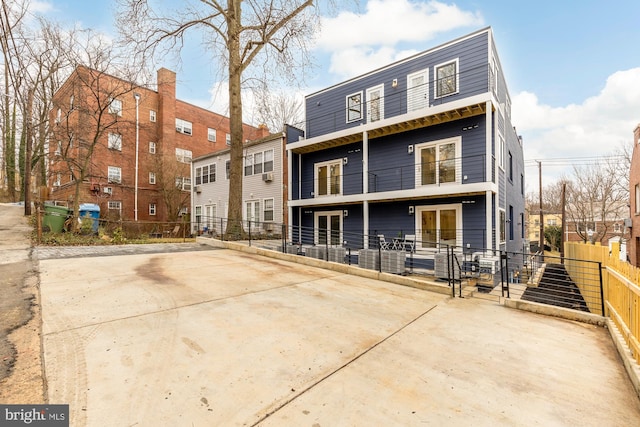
x=384 y=245
x=409 y=242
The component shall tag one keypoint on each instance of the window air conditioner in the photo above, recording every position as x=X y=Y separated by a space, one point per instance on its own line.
x=267 y=177
x=197 y=189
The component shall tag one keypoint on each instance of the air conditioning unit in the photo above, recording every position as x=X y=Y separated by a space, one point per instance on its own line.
x=107 y=190
x=442 y=266
x=268 y=227
x=197 y=189
x=628 y=223
x=267 y=177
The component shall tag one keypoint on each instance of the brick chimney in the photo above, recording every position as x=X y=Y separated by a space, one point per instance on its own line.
x=166 y=80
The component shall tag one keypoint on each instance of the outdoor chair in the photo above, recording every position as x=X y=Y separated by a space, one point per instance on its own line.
x=384 y=245
x=409 y=242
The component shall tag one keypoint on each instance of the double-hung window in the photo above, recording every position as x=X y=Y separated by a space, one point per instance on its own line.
x=211 y=135
x=375 y=103
x=268 y=161
x=114 y=174
x=115 y=141
x=354 y=107
x=438 y=162
x=152 y=177
x=328 y=178
x=248 y=164
x=152 y=147
x=183 y=156
x=184 y=127
x=268 y=210
x=447 y=78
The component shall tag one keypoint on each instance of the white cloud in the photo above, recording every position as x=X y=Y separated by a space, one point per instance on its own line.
x=362 y=42
x=40 y=7
x=596 y=127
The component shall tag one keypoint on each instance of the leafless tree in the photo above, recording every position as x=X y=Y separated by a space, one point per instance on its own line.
x=275 y=109
x=243 y=35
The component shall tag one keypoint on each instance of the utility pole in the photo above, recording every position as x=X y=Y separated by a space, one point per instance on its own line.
x=564 y=222
x=541 y=242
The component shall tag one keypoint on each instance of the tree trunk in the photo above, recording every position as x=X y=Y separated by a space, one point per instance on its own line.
x=234 y=225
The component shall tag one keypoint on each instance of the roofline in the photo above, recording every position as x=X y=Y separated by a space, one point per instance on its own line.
x=268 y=138
x=401 y=61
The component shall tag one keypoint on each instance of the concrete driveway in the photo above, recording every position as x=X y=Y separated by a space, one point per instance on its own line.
x=220 y=337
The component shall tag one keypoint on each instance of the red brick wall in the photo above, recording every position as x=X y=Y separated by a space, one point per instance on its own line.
x=634 y=179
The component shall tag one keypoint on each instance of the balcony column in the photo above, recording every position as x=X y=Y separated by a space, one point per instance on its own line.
x=290 y=193
x=489 y=212
x=365 y=187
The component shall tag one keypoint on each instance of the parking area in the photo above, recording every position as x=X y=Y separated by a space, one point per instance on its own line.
x=219 y=337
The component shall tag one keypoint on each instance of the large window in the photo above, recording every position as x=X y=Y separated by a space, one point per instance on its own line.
x=184 y=126
x=183 y=156
x=438 y=162
x=375 y=103
x=439 y=224
x=354 y=107
x=446 y=78
x=206 y=174
x=418 y=90
x=257 y=163
x=115 y=141
x=328 y=178
x=502 y=226
x=114 y=174
x=328 y=228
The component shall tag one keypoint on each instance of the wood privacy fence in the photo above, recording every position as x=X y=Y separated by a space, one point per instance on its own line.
x=621 y=282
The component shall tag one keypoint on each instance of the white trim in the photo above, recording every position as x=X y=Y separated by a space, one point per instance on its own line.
x=418 y=97
x=379 y=88
x=437 y=208
x=457 y=140
x=316 y=180
x=316 y=228
x=347 y=107
x=435 y=78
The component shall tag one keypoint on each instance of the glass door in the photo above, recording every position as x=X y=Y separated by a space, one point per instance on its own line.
x=328 y=228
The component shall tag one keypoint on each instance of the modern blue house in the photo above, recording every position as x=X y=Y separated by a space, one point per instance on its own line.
x=422 y=147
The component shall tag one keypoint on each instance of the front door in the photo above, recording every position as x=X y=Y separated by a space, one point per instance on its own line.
x=439 y=225
x=328 y=228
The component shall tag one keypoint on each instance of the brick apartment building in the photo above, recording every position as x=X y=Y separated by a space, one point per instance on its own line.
x=633 y=223
x=130 y=145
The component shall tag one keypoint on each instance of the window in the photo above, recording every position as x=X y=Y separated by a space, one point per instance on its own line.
x=522 y=184
x=248 y=164
x=114 y=174
x=510 y=166
x=59 y=116
x=183 y=183
x=328 y=228
x=257 y=163
x=268 y=161
x=152 y=116
x=115 y=107
x=637 y=198
x=328 y=178
x=436 y=162
x=71 y=99
x=114 y=205
x=502 y=226
x=183 y=126
x=552 y=221
x=206 y=174
x=617 y=228
x=115 y=141
x=446 y=78
x=228 y=138
x=354 y=107
x=510 y=222
x=211 y=135
x=183 y=156
x=198 y=214
x=439 y=224
x=268 y=210
x=417 y=90
x=58 y=149
x=522 y=225
x=58 y=180
x=152 y=177
x=375 y=103
x=152 y=209
x=252 y=211
x=152 y=147
x=501 y=152
x=227 y=166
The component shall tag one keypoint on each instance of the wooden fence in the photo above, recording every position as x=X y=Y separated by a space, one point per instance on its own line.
x=621 y=282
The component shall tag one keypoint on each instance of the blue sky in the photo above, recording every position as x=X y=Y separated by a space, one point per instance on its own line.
x=572 y=68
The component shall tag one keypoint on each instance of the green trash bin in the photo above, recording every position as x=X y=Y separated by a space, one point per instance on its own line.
x=54 y=218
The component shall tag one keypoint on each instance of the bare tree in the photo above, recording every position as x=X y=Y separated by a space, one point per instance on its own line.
x=243 y=34
x=275 y=109
x=594 y=199
x=171 y=180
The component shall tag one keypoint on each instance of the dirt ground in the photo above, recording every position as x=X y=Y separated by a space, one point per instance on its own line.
x=21 y=369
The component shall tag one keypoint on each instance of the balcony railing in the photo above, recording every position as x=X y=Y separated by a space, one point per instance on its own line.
x=461 y=170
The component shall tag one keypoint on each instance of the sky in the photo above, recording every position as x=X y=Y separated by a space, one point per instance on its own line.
x=572 y=67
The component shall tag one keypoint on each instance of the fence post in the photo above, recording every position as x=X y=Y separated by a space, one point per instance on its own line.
x=601 y=288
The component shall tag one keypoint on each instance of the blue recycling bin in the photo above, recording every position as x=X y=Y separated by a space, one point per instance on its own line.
x=90 y=210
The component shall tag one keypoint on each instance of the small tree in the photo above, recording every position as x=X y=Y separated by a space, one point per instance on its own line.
x=553 y=236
